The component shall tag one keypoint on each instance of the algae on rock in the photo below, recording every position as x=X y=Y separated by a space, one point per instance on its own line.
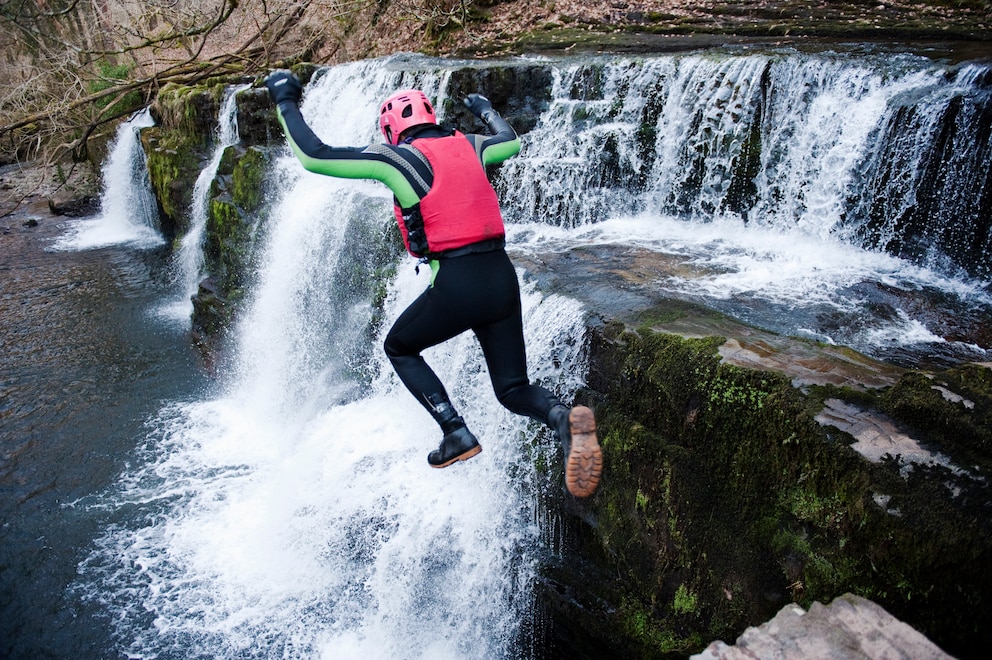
x=723 y=499
x=176 y=148
x=234 y=215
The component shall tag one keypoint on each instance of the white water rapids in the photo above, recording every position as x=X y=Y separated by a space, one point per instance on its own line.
x=293 y=514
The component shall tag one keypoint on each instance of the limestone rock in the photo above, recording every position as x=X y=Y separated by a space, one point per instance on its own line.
x=849 y=628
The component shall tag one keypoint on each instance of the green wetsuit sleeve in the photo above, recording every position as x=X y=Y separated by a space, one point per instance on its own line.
x=497 y=153
x=378 y=162
x=502 y=144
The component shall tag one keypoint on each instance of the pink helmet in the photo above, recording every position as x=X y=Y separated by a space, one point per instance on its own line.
x=403 y=110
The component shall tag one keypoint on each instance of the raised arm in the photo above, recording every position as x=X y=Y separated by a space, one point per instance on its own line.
x=378 y=161
x=503 y=143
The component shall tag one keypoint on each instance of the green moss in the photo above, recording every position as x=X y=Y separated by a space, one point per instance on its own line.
x=186 y=109
x=173 y=164
x=228 y=242
x=247 y=179
x=685 y=601
x=650 y=637
x=723 y=499
x=671 y=311
x=952 y=409
x=178 y=145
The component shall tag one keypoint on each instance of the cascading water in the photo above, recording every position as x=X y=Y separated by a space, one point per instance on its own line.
x=295 y=515
x=783 y=140
x=128 y=212
x=774 y=179
x=929 y=179
x=189 y=257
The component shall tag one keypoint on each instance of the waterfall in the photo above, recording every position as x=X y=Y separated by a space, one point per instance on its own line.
x=189 y=257
x=828 y=144
x=796 y=191
x=128 y=212
x=292 y=512
x=928 y=187
x=295 y=514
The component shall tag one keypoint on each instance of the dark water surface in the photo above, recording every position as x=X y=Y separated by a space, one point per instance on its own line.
x=84 y=362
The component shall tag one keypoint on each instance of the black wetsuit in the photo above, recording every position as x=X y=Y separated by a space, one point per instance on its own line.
x=477 y=291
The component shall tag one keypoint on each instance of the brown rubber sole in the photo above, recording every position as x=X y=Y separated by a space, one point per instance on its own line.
x=464 y=456
x=584 y=463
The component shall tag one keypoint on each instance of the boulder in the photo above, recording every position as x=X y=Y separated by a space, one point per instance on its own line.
x=849 y=628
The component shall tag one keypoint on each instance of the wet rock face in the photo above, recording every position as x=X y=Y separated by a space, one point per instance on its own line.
x=520 y=93
x=233 y=218
x=257 y=123
x=729 y=493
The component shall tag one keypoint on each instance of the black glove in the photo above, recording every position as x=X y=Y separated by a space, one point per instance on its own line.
x=479 y=105
x=284 y=86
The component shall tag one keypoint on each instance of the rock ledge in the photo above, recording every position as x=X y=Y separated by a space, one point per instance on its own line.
x=849 y=628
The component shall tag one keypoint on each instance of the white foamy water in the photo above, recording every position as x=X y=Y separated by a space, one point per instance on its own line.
x=786 y=281
x=781 y=248
x=128 y=212
x=331 y=536
x=295 y=515
x=727 y=260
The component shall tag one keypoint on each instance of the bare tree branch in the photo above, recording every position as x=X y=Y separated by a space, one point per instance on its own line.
x=70 y=66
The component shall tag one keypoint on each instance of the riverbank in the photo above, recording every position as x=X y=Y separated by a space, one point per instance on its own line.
x=34 y=188
x=519 y=26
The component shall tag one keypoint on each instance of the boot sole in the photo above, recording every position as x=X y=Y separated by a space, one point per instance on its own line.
x=584 y=464
x=464 y=456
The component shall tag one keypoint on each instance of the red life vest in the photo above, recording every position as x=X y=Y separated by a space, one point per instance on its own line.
x=461 y=207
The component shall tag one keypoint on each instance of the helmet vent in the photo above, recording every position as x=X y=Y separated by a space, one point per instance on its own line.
x=407 y=111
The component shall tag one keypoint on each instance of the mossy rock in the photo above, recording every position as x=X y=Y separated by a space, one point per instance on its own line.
x=258 y=124
x=174 y=161
x=723 y=499
x=229 y=240
x=520 y=93
x=191 y=110
x=179 y=145
x=952 y=409
x=247 y=179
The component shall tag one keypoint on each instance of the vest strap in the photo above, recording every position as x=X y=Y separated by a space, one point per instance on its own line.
x=490 y=245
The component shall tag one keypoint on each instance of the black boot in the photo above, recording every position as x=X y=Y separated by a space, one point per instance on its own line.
x=576 y=428
x=458 y=443
x=558 y=421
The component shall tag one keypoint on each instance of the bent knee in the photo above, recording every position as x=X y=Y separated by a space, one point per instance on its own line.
x=393 y=347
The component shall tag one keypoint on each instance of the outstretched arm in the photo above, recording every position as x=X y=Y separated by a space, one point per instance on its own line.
x=379 y=162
